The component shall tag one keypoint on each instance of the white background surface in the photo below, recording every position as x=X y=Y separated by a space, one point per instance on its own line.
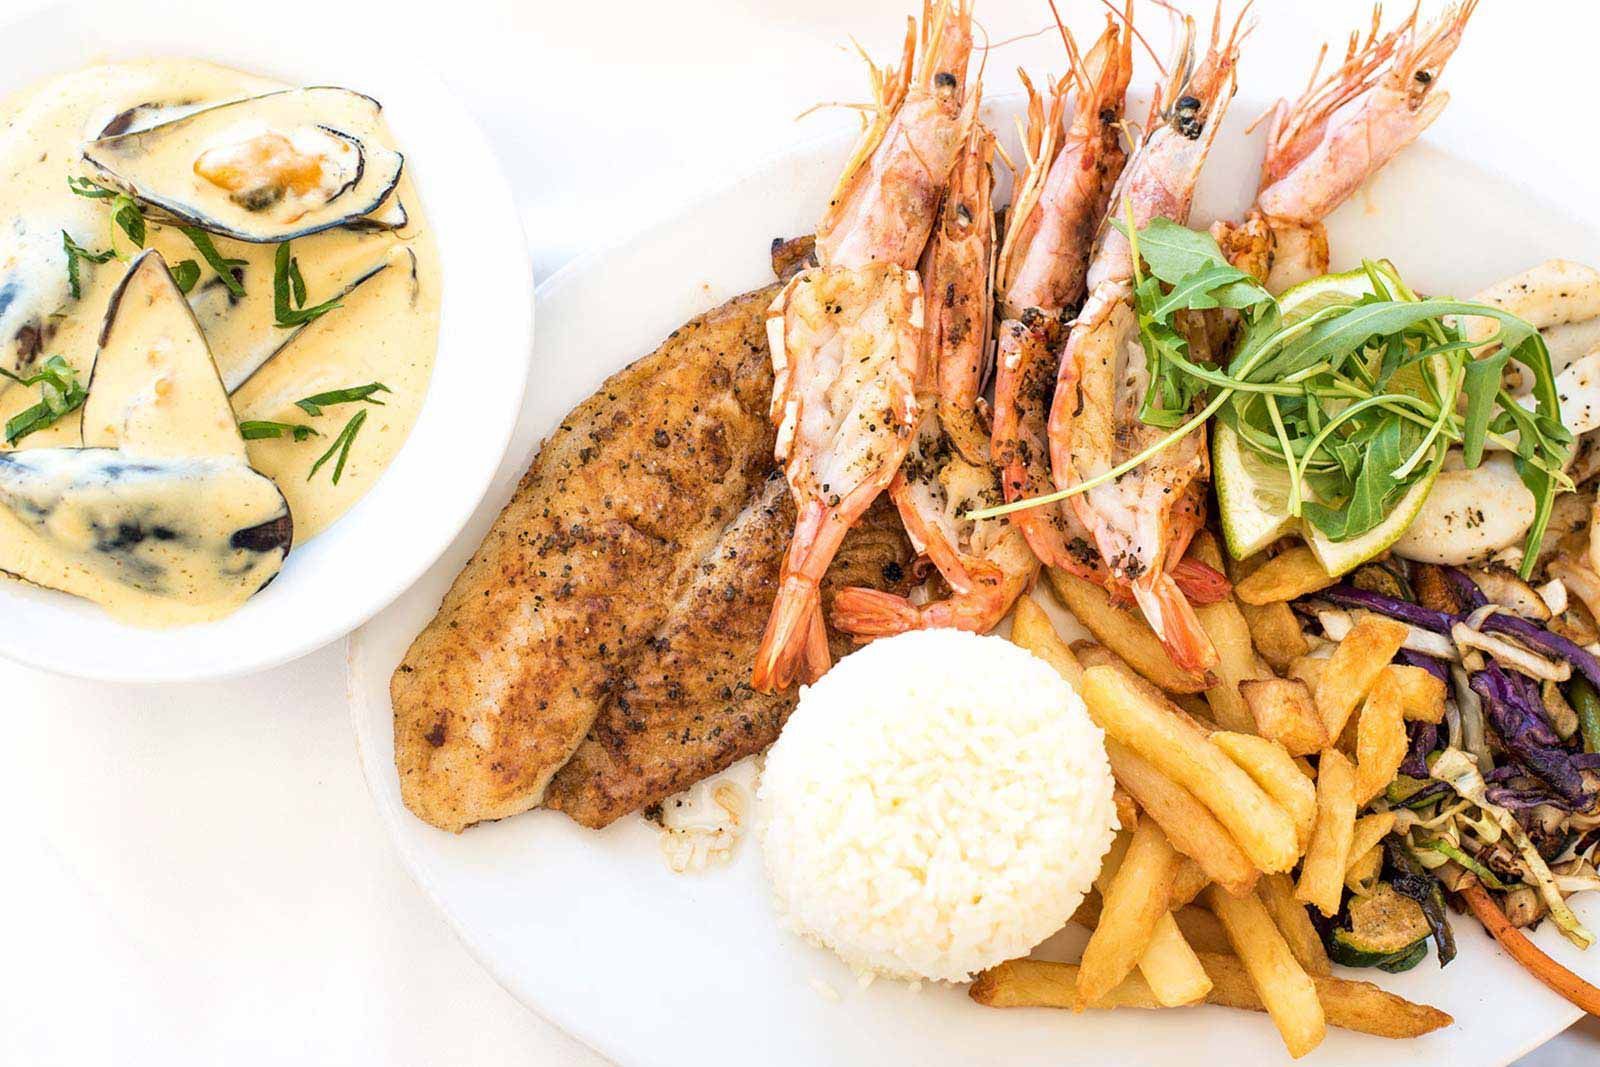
x=196 y=875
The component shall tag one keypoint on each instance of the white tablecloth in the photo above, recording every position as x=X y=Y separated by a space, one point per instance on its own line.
x=195 y=875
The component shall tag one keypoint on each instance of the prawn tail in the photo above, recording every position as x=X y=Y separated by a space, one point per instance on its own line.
x=1173 y=619
x=1200 y=582
x=867 y=613
x=789 y=641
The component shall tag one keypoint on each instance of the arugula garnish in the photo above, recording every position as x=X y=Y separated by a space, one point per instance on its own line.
x=59 y=394
x=341 y=445
x=77 y=254
x=126 y=214
x=261 y=429
x=289 y=292
x=313 y=405
x=1357 y=401
x=214 y=259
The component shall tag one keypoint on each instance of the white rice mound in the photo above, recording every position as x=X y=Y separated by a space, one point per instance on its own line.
x=938 y=803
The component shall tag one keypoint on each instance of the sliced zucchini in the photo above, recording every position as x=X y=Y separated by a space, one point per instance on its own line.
x=1384 y=928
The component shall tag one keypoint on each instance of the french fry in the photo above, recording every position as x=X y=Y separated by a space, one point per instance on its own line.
x=1230 y=636
x=1308 y=669
x=1032 y=629
x=1370 y=830
x=1380 y=739
x=1127 y=807
x=1202 y=931
x=1287 y=991
x=1357 y=1006
x=1287 y=576
x=1174 y=975
x=1189 y=825
x=1327 y=858
x=1170 y=967
x=1365 y=868
x=1133 y=902
x=1363 y=654
x=1271 y=767
x=1284 y=710
x=1174 y=746
x=1421 y=693
x=1122 y=631
x=1275 y=630
x=1236 y=663
x=1277 y=894
x=1187 y=882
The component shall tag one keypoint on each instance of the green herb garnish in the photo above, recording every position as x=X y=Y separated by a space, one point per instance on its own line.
x=313 y=405
x=214 y=259
x=126 y=214
x=1356 y=402
x=289 y=292
x=185 y=273
x=77 y=254
x=341 y=445
x=59 y=394
x=260 y=429
x=89 y=188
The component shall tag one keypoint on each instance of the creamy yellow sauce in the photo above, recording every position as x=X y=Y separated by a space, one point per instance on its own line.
x=385 y=331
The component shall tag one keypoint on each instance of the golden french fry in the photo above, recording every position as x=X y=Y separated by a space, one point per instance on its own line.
x=1380 y=739
x=1123 y=632
x=1421 y=694
x=1272 y=768
x=1365 y=868
x=1363 y=654
x=1236 y=663
x=1274 y=628
x=1170 y=967
x=1202 y=931
x=1032 y=629
x=1187 y=882
x=1189 y=825
x=1277 y=895
x=1287 y=991
x=1370 y=830
x=1133 y=902
x=1127 y=807
x=1284 y=710
x=1308 y=669
x=1322 y=873
x=1284 y=577
x=1174 y=746
x=1357 y=1006
x=1230 y=636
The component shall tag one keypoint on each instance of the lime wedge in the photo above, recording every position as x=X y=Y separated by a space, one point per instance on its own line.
x=1253 y=492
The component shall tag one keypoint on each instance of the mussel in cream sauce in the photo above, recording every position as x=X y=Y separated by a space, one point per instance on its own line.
x=263 y=169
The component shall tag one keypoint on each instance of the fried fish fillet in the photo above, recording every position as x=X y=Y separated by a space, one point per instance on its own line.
x=613 y=521
x=681 y=706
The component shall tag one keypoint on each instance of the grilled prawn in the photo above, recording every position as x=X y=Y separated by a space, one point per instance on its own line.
x=846 y=336
x=986 y=562
x=1343 y=130
x=1142 y=522
x=1060 y=199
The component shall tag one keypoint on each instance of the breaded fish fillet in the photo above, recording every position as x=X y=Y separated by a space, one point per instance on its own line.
x=607 y=529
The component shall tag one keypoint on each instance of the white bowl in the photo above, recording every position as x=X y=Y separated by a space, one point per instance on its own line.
x=392 y=535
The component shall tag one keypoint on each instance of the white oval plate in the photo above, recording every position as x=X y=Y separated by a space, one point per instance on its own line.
x=360 y=564
x=649 y=967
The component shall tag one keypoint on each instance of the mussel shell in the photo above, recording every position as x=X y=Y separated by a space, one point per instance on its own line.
x=154 y=165
x=143 y=523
